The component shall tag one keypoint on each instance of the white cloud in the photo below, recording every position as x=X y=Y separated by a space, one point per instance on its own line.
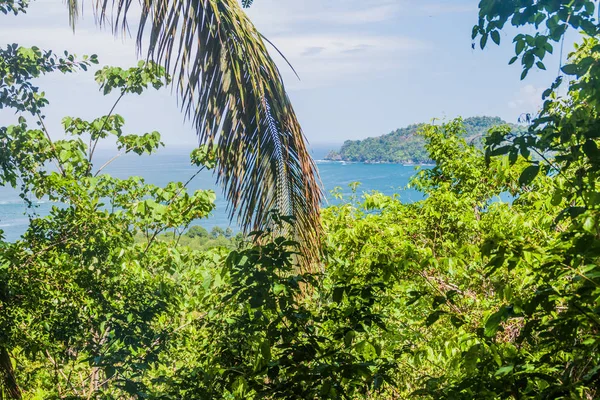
x=527 y=100
x=277 y=16
x=110 y=51
x=324 y=59
x=329 y=42
x=302 y=31
x=45 y=25
x=374 y=14
x=448 y=7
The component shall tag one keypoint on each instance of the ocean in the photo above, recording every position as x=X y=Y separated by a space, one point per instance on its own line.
x=173 y=165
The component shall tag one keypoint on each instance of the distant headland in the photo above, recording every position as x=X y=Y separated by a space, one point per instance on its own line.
x=405 y=146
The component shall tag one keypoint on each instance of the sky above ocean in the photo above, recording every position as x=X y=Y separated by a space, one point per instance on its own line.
x=366 y=67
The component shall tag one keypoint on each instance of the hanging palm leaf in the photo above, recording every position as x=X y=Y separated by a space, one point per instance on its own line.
x=233 y=92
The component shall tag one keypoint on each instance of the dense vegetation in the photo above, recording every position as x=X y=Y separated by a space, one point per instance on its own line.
x=198 y=238
x=457 y=296
x=406 y=146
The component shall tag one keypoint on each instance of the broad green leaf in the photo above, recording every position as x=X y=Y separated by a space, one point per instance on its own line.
x=493 y=322
x=495 y=37
x=502 y=371
x=529 y=174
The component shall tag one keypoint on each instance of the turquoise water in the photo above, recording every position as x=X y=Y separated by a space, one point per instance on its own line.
x=173 y=165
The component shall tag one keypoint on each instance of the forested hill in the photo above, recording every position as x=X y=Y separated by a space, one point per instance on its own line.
x=404 y=146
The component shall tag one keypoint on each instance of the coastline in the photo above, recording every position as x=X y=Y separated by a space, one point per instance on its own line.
x=404 y=164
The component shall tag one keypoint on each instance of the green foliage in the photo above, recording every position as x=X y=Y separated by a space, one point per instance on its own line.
x=565 y=306
x=480 y=298
x=549 y=18
x=133 y=80
x=266 y=339
x=104 y=298
x=197 y=231
x=517 y=284
x=84 y=309
x=461 y=295
x=13 y=6
x=198 y=238
x=19 y=65
x=204 y=156
x=405 y=146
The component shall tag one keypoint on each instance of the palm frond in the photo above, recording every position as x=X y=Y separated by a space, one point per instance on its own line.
x=233 y=92
x=73 y=6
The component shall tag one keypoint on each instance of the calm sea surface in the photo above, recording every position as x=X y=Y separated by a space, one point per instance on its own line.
x=173 y=165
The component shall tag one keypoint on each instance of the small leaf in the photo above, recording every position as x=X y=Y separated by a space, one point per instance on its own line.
x=504 y=370
x=529 y=174
x=278 y=288
x=109 y=371
x=349 y=338
x=338 y=294
x=589 y=224
x=475 y=32
x=433 y=317
x=265 y=350
x=513 y=156
x=570 y=69
x=456 y=322
x=497 y=151
x=493 y=322
x=377 y=382
x=496 y=37
x=483 y=41
x=438 y=300
x=590 y=148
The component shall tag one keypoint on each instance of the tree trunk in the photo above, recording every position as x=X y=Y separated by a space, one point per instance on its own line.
x=7 y=376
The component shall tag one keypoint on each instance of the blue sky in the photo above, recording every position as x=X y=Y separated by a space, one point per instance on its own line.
x=366 y=66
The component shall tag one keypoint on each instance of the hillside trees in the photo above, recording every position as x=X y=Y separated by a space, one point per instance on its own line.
x=449 y=297
x=562 y=319
x=487 y=288
x=406 y=146
x=430 y=253
x=89 y=310
x=83 y=309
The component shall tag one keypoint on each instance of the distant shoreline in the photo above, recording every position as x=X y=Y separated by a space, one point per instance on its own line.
x=408 y=164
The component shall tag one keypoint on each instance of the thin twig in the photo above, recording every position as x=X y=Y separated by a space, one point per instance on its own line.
x=93 y=149
x=107 y=163
x=56 y=158
x=60 y=371
x=185 y=185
